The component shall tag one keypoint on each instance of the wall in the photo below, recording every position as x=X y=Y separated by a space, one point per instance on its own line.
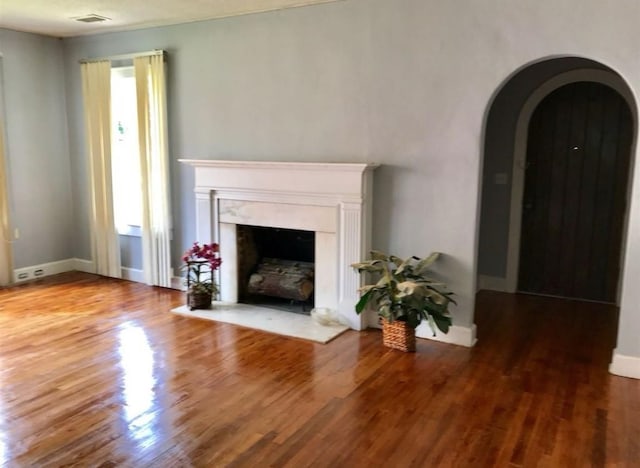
x=37 y=148
x=38 y=153
x=131 y=252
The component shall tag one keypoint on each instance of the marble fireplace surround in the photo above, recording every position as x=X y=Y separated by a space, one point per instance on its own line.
x=331 y=199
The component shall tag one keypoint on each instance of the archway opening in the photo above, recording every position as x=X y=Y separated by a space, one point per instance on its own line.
x=505 y=160
x=507 y=141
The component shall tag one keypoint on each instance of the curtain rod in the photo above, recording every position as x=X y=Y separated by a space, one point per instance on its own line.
x=126 y=56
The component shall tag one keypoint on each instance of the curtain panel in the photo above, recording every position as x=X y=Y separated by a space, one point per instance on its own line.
x=6 y=238
x=96 y=89
x=154 y=161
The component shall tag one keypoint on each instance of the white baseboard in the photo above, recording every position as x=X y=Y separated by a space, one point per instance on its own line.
x=625 y=366
x=45 y=269
x=132 y=274
x=492 y=283
x=461 y=336
x=129 y=274
x=70 y=264
x=80 y=264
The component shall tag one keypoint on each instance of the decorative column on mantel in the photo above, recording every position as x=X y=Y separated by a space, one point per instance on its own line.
x=331 y=199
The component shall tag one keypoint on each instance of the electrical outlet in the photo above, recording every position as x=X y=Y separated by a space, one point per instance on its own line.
x=23 y=276
x=38 y=272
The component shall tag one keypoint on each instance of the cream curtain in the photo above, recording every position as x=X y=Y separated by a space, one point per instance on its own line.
x=6 y=259
x=154 y=155
x=96 y=88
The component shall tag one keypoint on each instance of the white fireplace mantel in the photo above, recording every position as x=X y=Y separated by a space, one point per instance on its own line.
x=331 y=199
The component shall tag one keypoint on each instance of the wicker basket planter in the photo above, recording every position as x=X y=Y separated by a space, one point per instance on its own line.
x=398 y=335
x=402 y=291
x=199 y=300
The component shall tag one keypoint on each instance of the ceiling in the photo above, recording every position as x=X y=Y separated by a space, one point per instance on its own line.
x=55 y=17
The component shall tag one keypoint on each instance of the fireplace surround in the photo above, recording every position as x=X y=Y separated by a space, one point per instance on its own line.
x=333 y=200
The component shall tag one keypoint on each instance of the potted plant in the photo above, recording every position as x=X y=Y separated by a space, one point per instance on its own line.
x=200 y=261
x=404 y=295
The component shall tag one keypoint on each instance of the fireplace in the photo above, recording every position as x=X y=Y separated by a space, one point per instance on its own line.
x=330 y=200
x=276 y=267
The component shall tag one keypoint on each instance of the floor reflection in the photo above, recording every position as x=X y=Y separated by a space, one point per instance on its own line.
x=137 y=362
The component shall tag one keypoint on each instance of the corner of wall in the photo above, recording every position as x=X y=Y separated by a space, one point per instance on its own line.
x=80 y=264
x=625 y=366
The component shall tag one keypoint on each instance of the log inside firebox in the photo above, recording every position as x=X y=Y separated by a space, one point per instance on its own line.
x=286 y=279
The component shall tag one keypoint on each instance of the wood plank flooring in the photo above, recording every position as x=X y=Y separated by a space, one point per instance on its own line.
x=97 y=372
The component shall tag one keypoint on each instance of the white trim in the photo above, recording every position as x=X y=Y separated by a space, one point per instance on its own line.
x=72 y=264
x=44 y=269
x=86 y=266
x=625 y=366
x=461 y=336
x=492 y=283
x=129 y=274
x=125 y=56
x=358 y=168
x=520 y=157
x=132 y=274
x=129 y=230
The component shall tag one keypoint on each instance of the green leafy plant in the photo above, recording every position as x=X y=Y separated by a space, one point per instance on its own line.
x=403 y=291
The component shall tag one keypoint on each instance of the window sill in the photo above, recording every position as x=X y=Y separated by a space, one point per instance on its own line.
x=130 y=231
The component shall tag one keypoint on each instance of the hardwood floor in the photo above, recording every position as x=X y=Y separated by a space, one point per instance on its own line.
x=97 y=372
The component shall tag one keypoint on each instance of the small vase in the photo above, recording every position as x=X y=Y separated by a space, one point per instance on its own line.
x=199 y=300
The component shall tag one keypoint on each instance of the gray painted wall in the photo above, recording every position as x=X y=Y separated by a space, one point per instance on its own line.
x=403 y=83
x=131 y=252
x=38 y=153
x=37 y=147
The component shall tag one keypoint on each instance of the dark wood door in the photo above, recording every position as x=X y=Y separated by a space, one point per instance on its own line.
x=578 y=154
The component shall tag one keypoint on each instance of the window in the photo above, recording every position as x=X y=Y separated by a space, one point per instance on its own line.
x=125 y=155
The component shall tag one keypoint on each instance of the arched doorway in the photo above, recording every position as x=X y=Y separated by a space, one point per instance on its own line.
x=576 y=173
x=505 y=159
x=505 y=148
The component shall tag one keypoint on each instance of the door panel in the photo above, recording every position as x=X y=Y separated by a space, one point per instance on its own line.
x=578 y=156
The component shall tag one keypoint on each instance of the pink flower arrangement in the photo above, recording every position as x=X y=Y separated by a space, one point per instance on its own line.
x=208 y=252
x=201 y=261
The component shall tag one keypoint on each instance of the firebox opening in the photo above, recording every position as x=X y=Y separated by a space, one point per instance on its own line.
x=276 y=267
